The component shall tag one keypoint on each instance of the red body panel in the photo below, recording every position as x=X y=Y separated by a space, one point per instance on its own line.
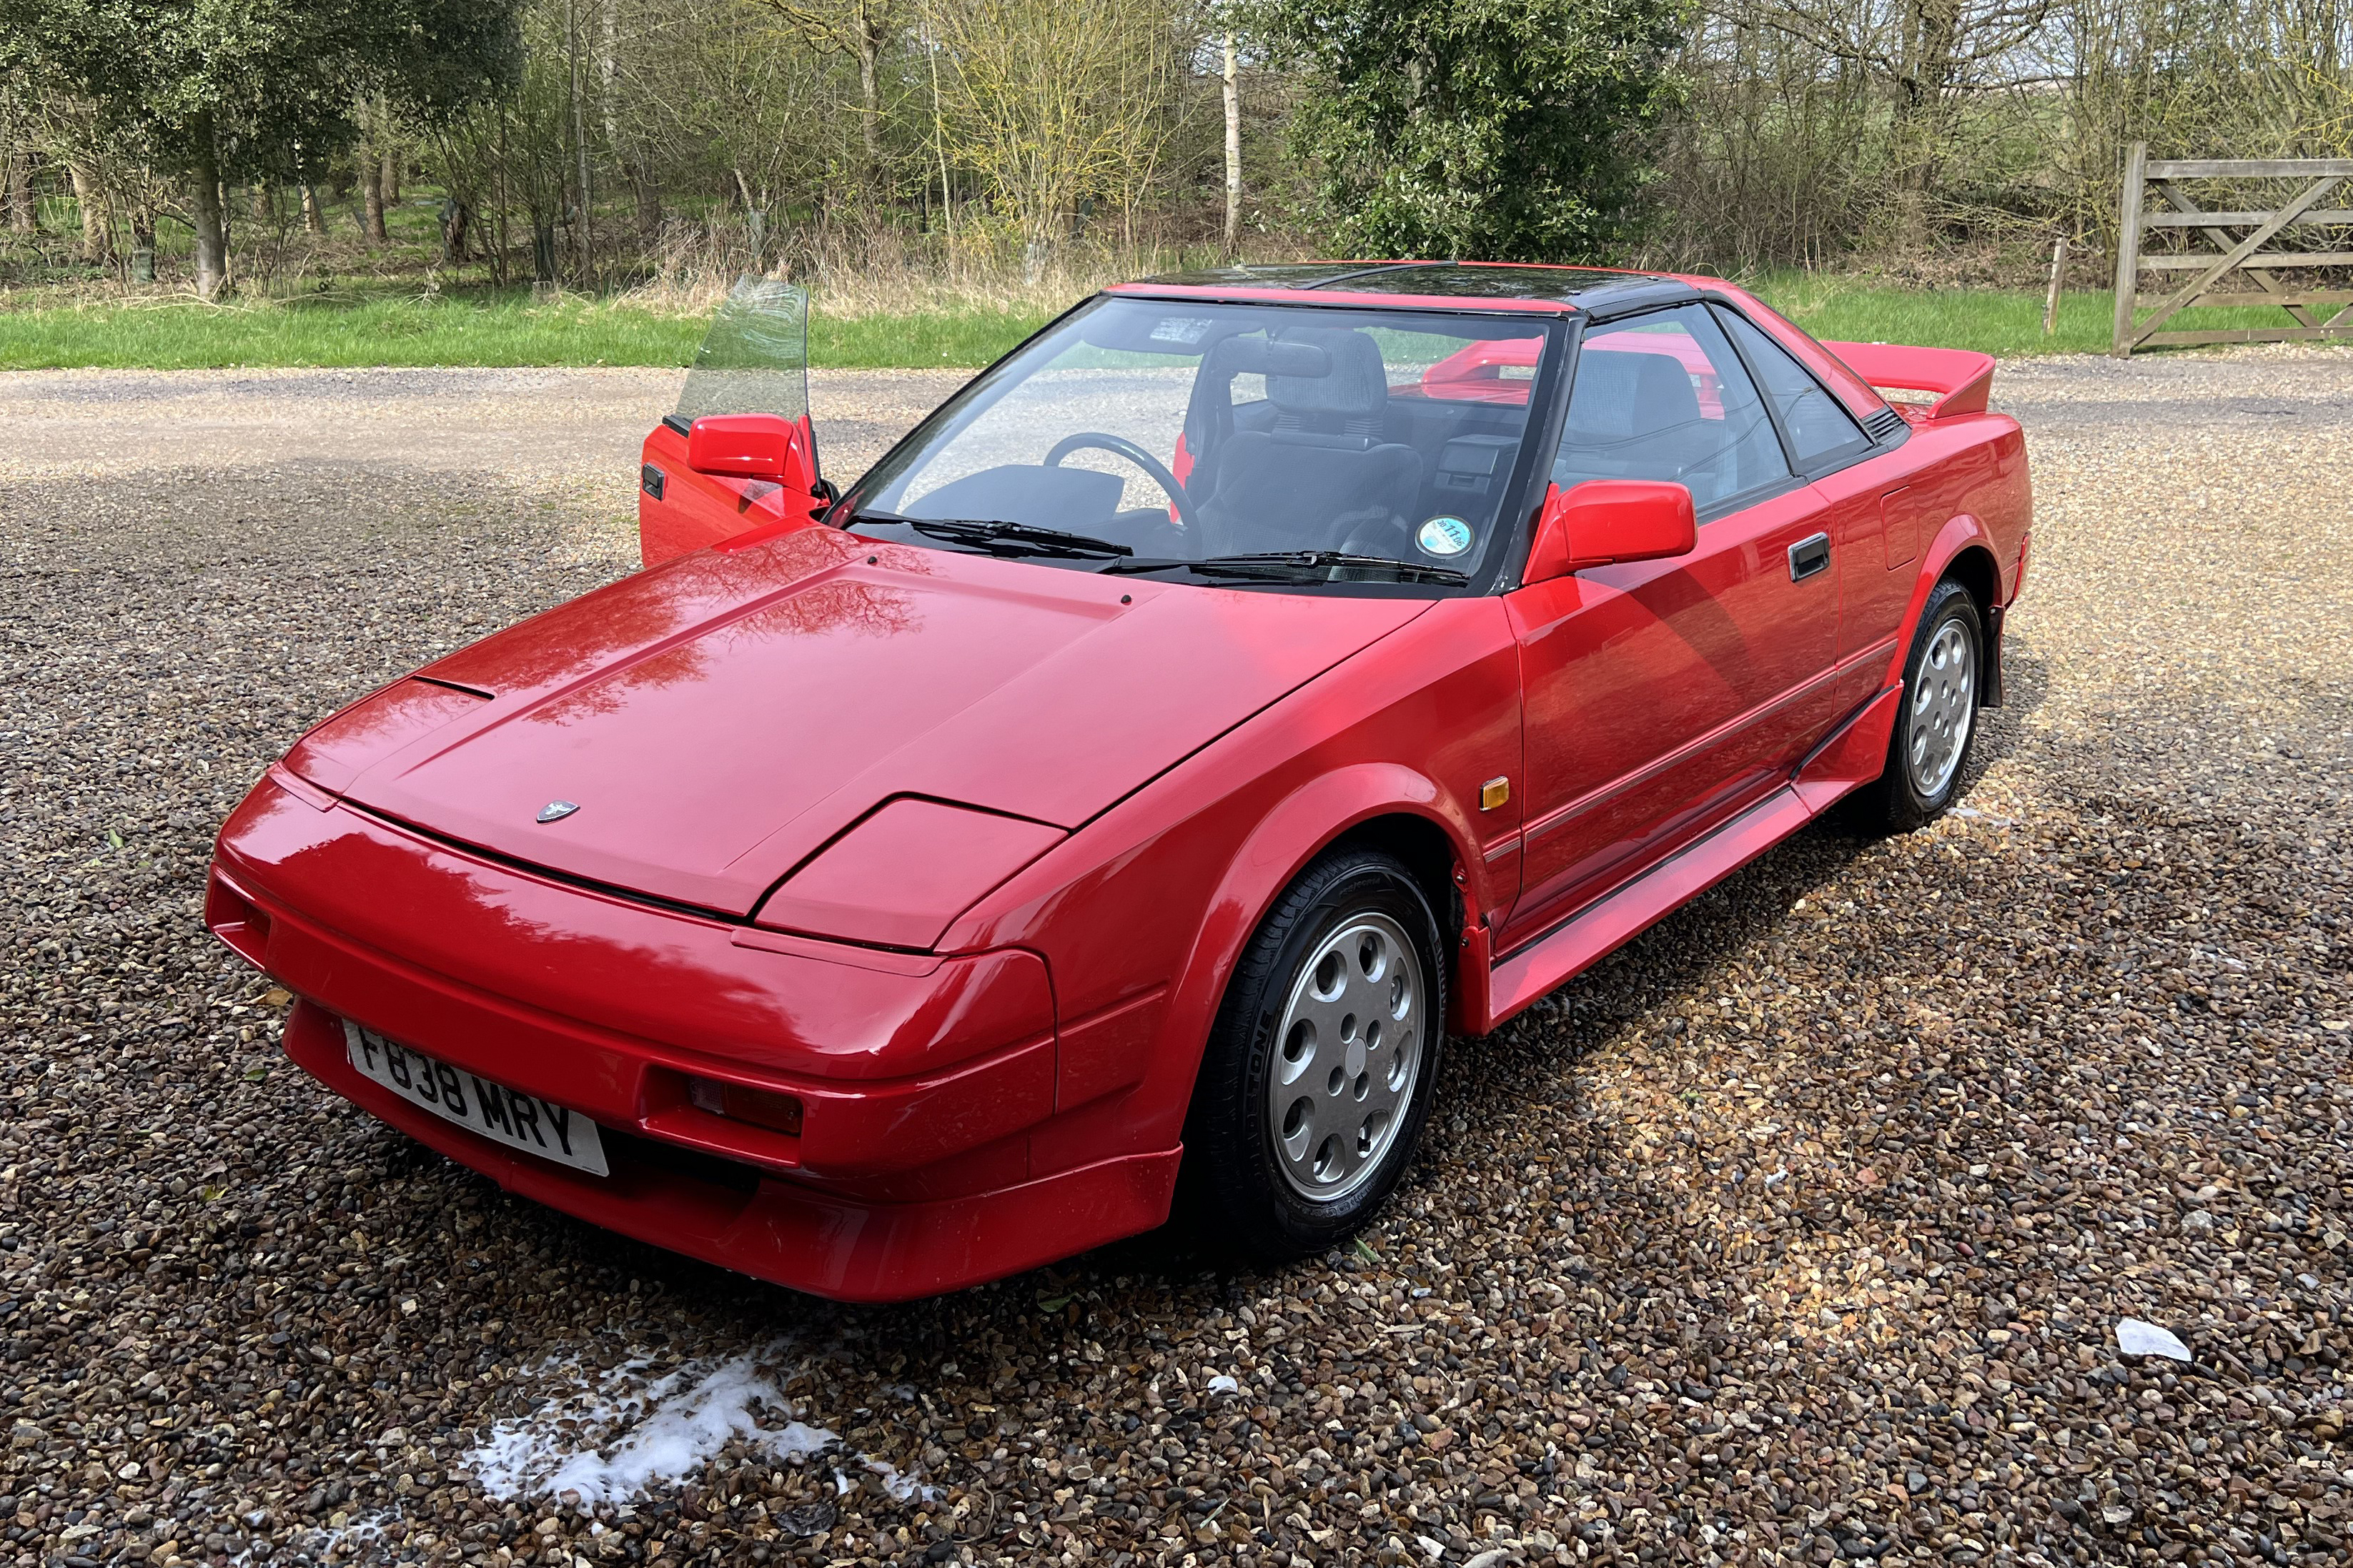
x=1960 y=379
x=958 y=852
x=677 y=706
x=698 y=509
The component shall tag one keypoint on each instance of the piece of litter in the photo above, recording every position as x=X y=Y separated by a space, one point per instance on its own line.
x=1221 y=1383
x=2136 y=1338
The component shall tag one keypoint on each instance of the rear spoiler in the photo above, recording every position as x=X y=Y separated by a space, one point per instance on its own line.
x=1959 y=379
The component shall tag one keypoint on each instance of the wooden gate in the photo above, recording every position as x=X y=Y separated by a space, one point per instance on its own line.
x=2229 y=253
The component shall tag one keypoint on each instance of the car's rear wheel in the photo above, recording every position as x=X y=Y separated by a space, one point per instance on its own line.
x=1928 y=754
x=1317 y=1077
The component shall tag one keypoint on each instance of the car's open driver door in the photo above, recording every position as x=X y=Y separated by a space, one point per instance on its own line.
x=760 y=466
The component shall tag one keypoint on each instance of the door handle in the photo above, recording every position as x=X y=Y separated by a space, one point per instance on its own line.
x=1808 y=556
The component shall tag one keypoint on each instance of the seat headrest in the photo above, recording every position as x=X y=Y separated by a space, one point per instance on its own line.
x=1354 y=386
x=1623 y=394
x=1258 y=356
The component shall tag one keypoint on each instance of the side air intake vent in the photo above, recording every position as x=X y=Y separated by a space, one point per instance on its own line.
x=1884 y=424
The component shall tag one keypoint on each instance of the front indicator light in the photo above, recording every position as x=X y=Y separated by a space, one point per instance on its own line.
x=760 y=1106
x=237 y=920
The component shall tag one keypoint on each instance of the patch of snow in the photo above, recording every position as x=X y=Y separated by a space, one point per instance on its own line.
x=611 y=1436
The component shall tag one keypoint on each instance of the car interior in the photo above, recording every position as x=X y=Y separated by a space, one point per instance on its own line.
x=1331 y=456
x=1268 y=432
x=1635 y=412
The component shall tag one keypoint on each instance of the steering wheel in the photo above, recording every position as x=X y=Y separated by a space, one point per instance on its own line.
x=1120 y=446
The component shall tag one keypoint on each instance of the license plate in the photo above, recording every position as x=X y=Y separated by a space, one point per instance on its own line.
x=503 y=1115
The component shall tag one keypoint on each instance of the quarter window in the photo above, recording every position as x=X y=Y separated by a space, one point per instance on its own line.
x=1663 y=396
x=1822 y=432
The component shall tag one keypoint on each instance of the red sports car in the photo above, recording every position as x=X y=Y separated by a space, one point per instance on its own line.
x=1255 y=681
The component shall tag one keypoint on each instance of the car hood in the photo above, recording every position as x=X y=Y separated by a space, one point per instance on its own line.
x=717 y=719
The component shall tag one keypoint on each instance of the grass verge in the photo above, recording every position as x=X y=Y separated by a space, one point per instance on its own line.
x=509 y=327
x=2006 y=323
x=502 y=328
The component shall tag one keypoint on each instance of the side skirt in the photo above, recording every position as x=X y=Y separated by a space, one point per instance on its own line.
x=1854 y=755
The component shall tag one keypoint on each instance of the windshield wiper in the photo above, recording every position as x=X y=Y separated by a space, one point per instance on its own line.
x=989 y=533
x=1295 y=566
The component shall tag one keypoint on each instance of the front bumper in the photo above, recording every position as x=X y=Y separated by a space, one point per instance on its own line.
x=920 y=1077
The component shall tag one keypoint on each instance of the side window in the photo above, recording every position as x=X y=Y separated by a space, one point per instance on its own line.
x=1820 y=431
x=1663 y=396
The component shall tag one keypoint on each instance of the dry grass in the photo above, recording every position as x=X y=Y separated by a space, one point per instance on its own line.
x=853 y=274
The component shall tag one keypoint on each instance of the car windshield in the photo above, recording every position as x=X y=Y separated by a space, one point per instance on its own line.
x=1230 y=443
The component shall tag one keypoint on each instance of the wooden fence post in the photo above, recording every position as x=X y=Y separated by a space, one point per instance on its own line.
x=2051 y=299
x=2128 y=249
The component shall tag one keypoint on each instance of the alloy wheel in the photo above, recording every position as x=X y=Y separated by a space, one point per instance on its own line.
x=1944 y=706
x=1346 y=1057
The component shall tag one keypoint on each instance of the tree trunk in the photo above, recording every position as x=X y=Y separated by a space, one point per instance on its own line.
x=870 y=102
x=92 y=202
x=940 y=146
x=372 y=199
x=143 y=244
x=391 y=174
x=258 y=209
x=1234 y=153
x=755 y=221
x=609 y=68
x=649 y=199
x=584 y=234
x=455 y=218
x=312 y=222
x=23 y=216
x=204 y=206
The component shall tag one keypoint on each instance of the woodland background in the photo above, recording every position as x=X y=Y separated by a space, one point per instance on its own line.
x=1008 y=152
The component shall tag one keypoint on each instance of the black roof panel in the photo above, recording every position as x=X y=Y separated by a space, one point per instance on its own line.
x=1427 y=278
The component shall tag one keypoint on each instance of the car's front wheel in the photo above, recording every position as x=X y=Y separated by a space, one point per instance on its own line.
x=1318 y=1077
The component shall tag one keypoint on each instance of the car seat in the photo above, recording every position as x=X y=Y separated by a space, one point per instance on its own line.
x=1321 y=476
x=1633 y=415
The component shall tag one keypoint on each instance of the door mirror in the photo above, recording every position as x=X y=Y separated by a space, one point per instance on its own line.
x=755 y=446
x=1605 y=520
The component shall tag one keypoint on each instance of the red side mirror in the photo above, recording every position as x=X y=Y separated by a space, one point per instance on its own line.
x=1604 y=520
x=755 y=446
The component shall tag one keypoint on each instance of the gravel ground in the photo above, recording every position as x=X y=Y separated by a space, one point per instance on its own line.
x=1799 y=1230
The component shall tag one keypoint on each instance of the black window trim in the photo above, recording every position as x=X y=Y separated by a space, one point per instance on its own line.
x=1872 y=447
x=1718 y=511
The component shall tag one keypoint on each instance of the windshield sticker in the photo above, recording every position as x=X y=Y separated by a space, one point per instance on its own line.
x=1186 y=329
x=1443 y=536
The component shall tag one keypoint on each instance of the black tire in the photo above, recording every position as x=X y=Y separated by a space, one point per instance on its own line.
x=1897 y=802
x=1234 y=1167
